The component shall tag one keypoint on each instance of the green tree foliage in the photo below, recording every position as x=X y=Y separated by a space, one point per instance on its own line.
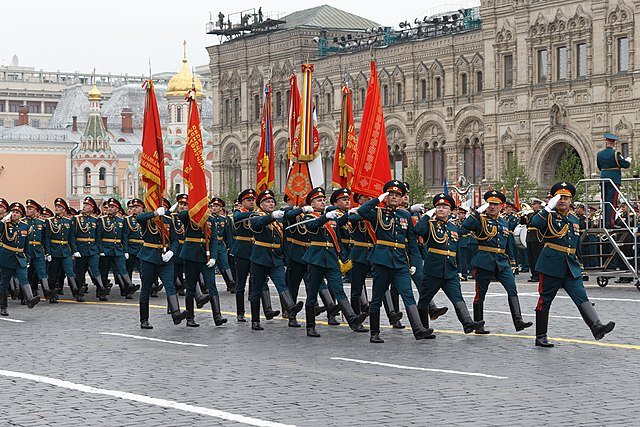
x=419 y=191
x=570 y=168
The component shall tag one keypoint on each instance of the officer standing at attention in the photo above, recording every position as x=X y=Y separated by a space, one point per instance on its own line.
x=35 y=248
x=610 y=162
x=494 y=258
x=14 y=237
x=86 y=256
x=390 y=257
x=560 y=265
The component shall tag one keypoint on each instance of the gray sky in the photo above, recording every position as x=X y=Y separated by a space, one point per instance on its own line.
x=120 y=36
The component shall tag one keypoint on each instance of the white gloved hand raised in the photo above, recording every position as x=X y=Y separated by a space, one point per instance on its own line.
x=431 y=212
x=482 y=208
x=383 y=196
x=7 y=217
x=160 y=211
x=628 y=159
x=412 y=270
x=552 y=203
x=77 y=255
x=173 y=207
x=418 y=207
x=211 y=263
x=307 y=209
x=167 y=256
x=126 y=255
x=102 y=254
x=48 y=258
x=332 y=214
x=353 y=210
x=277 y=214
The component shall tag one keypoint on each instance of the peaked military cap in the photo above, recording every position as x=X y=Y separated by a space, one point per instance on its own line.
x=72 y=211
x=33 y=204
x=166 y=203
x=563 y=188
x=182 y=198
x=265 y=195
x=463 y=207
x=444 y=199
x=90 y=201
x=217 y=201
x=249 y=193
x=286 y=198
x=136 y=202
x=115 y=202
x=17 y=206
x=493 y=196
x=407 y=186
x=535 y=200
x=4 y=203
x=395 y=186
x=47 y=213
x=61 y=202
x=339 y=193
x=314 y=194
x=510 y=203
x=611 y=137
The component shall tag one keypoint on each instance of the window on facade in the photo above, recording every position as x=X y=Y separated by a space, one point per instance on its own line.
x=179 y=114
x=623 y=54
x=256 y=107
x=543 y=59
x=399 y=95
x=102 y=175
x=236 y=110
x=385 y=95
x=177 y=188
x=428 y=167
x=278 y=104
x=1 y=106
x=463 y=84
x=509 y=156
x=363 y=94
x=561 y=61
x=437 y=87
x=479 y=82
x=49 y=107
x=288 y=98
x=581 y=60
x=423 y=89
x=227 y=112
x=316 y=101
x=14 y=106
x=34 y=107
x=508 y=71
x=328 y=105
x=35 y=123
x=624 y=149
x=87 y=177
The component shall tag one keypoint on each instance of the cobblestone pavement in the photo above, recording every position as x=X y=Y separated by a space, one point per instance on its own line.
x=280 y=376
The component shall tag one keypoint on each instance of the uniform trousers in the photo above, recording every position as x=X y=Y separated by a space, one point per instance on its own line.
x=150 y=273
x=484 y=277
x=548 y=287
x=383 y=277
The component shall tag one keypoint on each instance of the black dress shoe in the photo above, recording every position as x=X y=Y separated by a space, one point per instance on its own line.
x=542 y=342
x=331 y=320
x=293 y=323
x=434 y=314
x=192 y=323
x=256 y=326
x=398 y=325
x=375 y=338
x=240 y=318
x=311 y=332
x=145 y=325
x=359 y=328
x=3 y=311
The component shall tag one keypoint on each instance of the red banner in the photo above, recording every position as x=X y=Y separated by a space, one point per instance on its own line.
x=193 y=172
x=372 y=170
x=516 y=197
x=294 y=112
x=266 y=172
x=344 y=160
x=152 y=156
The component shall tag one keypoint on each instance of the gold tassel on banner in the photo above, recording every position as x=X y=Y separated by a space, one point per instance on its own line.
x=345 y=266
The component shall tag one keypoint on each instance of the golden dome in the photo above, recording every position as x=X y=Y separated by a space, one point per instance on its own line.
x=94 y=94
x=182 y=82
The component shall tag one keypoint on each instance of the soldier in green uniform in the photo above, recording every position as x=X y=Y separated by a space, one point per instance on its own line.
x=610 y=163
x=362 y=239
x=160 y=243
x=111 y=243
x=267 y=259
x=216 y=205
x=534 y=240
x=390 y=257
x=86 y=255
x=14 y=237
x=463 y=253
x=323 y=261
x=199 y=253
x=494 y=259
x=60 y=245
x=441 y=238
x=35 y=249
x=134 y=239
x=182 y=203
x=559 y=264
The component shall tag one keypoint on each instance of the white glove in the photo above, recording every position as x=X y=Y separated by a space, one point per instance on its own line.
x=126 y=256
x=174 y=207
x=307 y=209
x=383 y=196
x=7 y=217
x=332 y=215
x=167 y=256
x=353 y=210
x=160 y=211
x=482 y=208
x=628 y=159
x=211 y=263
x=431 y=212
x=552 y=203
x=277 y=214
x=77 y=255
x=412 y=270
x=418 y=207
x=48 y=258
x=102 y=254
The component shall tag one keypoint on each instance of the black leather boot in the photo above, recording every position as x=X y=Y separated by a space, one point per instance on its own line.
x=255 y=316
x=395 y=298
x=354 y=320
x=435 y=311
x=419 y=331
x=101 y=291
x=3 y=304
x=393 y=316
x=215 y=308
x=374 y=323
x=191 y=319
x=174 y=309
x=311 y=322
x=468 y=325
x=364 y=303
x=516 y=314
x=269 y=312
x=144 y=316
x=201 y=299
x=593 y=321
x=47 y=292
x=77 y=292
x=292 y=307
x=240 y=307
x=333 y=309
x=28 y=295
x=130 y=288
x=355 y=305
x=228 y=280
x=319 y=309
x=542 y=323
x=478 y=316
x=424 y=319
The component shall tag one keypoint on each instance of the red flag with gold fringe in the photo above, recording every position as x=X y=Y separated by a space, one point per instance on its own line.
x=266 y=173
x=193 y=171
x=344 y=161
x=152 y=156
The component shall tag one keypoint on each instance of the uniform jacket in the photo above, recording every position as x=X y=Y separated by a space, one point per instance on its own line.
x=441 y=239
x=563 y=231
x=267 y=232
x=133 y=235
x=85 y=228
x=60 y=239
x=362 y=238
x=296 y=239
x=242 y=234
x=110 y=237
x=493 y=233
x=195 y=248
x=609 y=163
x=152 y=248
x=178 y=227
x=14 y=238
x=37 y=235
x=220 y=224
x=324 y=252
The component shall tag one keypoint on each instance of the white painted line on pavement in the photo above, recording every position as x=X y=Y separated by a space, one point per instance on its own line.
x=533 y=315
x=153 y=339
x=12 y=320
x=537 y=295
x=144 y=399
x=413 y=368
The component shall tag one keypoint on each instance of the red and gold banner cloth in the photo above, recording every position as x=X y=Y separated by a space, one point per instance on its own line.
x=193 y=172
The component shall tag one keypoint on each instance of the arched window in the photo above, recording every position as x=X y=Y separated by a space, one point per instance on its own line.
x=87 y=177
x=278 y=104
x=363 y=94
x=179 y=114
x=423 y=90
x=177 y=188
x=437 y=87
x=479 y=82
x=385 y=95
x=463 y=84
x=236 y=110
x=256 y=107
x=399 y=94
x=328 y=103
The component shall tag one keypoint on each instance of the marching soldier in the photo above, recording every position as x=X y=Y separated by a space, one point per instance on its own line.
x=610 y=163
x=133 y=237
x=441 y=238
x=112 y=244
x=323 y=261
x=390 y=259
x=14 y=237
x=494 y=258
x=35 y=248
x=559 y=264
x=86 y=255
x=363 y=237
x=512 y=221
x=158 y=247
x=267 y=259
x=182 y=203
x=60 y=245
x=216 y=205
x=534 y=239
x=463 y=254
